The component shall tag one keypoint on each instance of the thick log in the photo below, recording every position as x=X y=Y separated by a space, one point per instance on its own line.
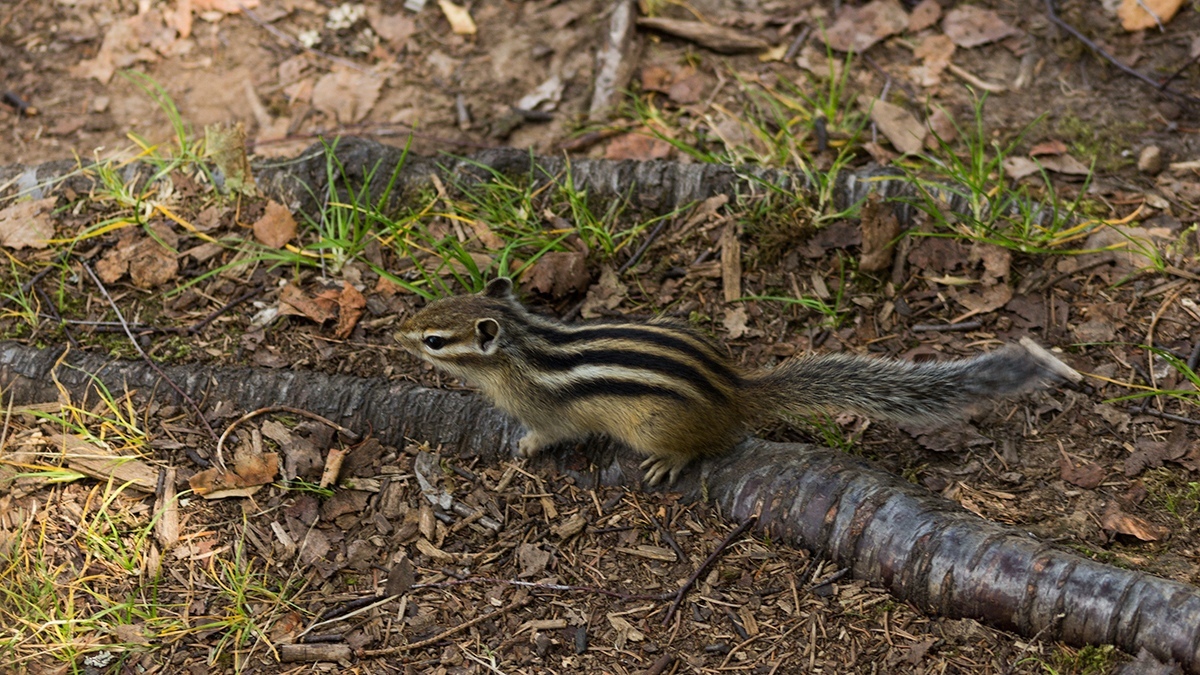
x=921 y=547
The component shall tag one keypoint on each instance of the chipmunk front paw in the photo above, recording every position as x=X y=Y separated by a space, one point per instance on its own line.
x=530 y=445
x=658 y=468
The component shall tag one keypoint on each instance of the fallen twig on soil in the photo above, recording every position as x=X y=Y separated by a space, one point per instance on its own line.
x=687 y=586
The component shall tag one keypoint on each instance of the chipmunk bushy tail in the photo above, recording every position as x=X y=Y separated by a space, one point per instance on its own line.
x=903 y=391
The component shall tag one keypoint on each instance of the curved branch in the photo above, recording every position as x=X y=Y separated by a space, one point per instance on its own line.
x=924 y=549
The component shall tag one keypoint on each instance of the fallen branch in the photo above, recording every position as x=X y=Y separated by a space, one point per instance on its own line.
x=922 y=548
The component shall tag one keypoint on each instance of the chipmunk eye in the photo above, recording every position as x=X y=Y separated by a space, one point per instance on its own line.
x=434 y=341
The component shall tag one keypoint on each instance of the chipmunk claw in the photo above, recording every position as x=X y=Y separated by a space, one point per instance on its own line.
x=658 y=468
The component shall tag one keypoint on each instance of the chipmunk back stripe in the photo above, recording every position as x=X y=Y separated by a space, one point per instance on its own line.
x=601 y=361
x=616 y=388
x=657 y=336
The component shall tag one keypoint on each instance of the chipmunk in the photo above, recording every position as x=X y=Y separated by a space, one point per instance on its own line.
x=670 y=393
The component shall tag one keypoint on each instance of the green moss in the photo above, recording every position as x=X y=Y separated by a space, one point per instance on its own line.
x=1108 y=145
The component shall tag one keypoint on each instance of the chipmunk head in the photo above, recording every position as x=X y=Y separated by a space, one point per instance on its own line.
x=463 y=331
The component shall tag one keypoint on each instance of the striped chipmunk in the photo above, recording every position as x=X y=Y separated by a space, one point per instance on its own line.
x=670 y=393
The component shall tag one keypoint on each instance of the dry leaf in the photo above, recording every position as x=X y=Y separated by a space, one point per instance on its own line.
x=293 y=301
x=1116 y=520
x=970 y=26
x=857 y=28
x=250 y=472
x=1052 y=147
x=351 y=304
x=533 y=560
x=988 y=299
x=395 y=28
x=1085 y=476
x=558 y=274
x=924 y=15
x=735 y=322
x=607 y=293
x=347 y=95
x=1134 y=15
x=637 y=146
x=27 y=224
x=906 y=133
x=460 y=19
x=276 y=227
x=549 y=92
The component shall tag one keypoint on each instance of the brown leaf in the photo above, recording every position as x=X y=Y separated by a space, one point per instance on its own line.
x=347 y=95
x=1052 y=147
x=906 y=133
x=687 y=87
x=924 y=15
x=249 y=472
x=1084 y=475
x=351 y=304
x=295 y=302
x=607 y=293
x=857 y=28
x=223 y=6
x=735 y=322
x=1116 y=520
x=997 y=261
x=226 y=145
x=558 y=274
x=533 y=560
x=1134 y=15
x=638 y=146
x=395 y=28
x=486 y=236
x=988 y=299
x=879 y=231
x=717 y=38
x=27 y=224
x=970 y=26
x=276 y=227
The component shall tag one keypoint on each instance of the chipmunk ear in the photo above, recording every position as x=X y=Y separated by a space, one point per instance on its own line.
x=486 y=331
x=499 y=288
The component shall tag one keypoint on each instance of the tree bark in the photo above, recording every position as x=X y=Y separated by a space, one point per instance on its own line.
x=922 y=548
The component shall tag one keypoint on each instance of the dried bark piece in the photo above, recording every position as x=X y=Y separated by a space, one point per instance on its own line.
x=720 y=39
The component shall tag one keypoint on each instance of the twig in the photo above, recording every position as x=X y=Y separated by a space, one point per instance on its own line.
x=192 y=330
x=548 y=587
x=144 y=355
x=27 y=285
x=276 y=408
x=1102 y=260
x=56 y=316
x=679 y=595
x=1056 y=20
x=637 y=255
x=1194 y=359
x=946 y=327
x=1144 y=410
x=250 y=14
x=662 y=531
x=794 y=48
x=421 y=644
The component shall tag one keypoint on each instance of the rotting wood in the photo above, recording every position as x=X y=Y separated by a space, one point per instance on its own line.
x=659 y=186
x=921 y=547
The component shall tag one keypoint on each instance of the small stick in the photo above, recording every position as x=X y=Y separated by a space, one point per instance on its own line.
x=945 y=327
x=662 y=531
x=421 y=644
x=192 y=330
x=56 y=316
x=146 y=357
x=276 y=408
x=637 y=255
x=741 y=529
x=1143 y=410
x=1056 y=20
x=1194 y=359
x=794 y=48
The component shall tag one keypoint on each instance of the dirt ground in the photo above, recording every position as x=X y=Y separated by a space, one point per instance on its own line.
x=583 y=578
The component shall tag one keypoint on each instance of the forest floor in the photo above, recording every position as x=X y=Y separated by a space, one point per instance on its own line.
x=996 y=99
